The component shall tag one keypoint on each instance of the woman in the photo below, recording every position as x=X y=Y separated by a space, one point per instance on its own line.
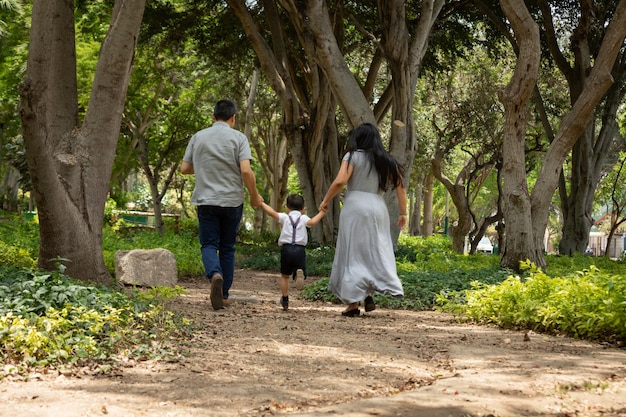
x=364 y=260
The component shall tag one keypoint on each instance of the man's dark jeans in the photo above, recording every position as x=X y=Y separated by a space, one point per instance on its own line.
x=218 y=232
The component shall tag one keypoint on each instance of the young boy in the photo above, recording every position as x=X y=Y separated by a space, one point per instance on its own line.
x=293 y=239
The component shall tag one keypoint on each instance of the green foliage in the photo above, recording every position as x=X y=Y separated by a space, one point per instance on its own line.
x=588 y=304
x=564 y=265
x=12 y=255
x=412 y=247
x=48 y=319
x=19 y=242
x=16 y=231
x=318 y=290
x=426 y=267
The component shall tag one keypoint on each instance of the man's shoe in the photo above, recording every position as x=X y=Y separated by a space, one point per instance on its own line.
x=217 y=298
x=369 y=303
x=284 y=301
x=226 y=302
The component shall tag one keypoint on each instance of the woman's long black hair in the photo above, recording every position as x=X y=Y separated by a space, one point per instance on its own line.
x=366 y=137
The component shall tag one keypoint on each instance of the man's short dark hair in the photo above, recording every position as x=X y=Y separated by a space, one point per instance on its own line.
x=224 y=109
x=295 y=202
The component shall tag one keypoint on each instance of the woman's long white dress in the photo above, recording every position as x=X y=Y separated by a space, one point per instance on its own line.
x=364 y=260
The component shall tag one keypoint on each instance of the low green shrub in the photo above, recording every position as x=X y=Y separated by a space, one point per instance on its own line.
x=421 y=288
x=564 y=265
x=48 y=319
x=13 y=255
x=412 y=247
x=589 y=304
x=19 y=241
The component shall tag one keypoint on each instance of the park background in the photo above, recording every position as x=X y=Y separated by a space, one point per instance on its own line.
x=509 y=122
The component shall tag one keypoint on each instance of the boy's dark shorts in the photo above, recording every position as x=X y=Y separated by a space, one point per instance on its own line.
x=292 y=258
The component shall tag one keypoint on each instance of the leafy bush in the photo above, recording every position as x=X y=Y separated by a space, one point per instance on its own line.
x=564 y=265
x=48 y=319
x=19 y=242
x=421 y=288
x=418 y=248
x=426 y=267
x=13 y=255
x=588 y=304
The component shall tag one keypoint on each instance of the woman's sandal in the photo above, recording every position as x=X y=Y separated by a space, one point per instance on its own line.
x=369 y=303
x=351 y=313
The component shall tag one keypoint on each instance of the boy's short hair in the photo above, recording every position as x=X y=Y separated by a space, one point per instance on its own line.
x=295 y=202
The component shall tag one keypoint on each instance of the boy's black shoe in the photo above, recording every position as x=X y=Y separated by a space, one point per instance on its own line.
x=284 y=301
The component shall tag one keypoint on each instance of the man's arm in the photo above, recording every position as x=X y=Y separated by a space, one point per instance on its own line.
x=249 y=180
x=186 y=168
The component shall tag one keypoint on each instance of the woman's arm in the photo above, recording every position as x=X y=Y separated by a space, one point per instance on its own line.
x=403 y=217
x=345 y=171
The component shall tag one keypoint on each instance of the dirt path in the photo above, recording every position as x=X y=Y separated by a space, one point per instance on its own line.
x=253 y=359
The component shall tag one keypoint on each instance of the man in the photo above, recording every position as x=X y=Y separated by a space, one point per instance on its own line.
x=220 y=157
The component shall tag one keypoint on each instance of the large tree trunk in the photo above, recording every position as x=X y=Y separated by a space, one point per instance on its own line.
x=415 y=225
x=589 y=157
x=456 y=191
x=272 y=143
x=308 y=115
x=521 y=243
x=591 y=150
x=429 y=183
x=310 y=109
x=577 y=120
x=70 y=164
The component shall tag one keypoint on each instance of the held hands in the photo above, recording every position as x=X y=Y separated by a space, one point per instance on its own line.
x=258 y=202
x=323 y=206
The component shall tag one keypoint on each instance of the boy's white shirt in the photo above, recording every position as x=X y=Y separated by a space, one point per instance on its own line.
x=286 y=231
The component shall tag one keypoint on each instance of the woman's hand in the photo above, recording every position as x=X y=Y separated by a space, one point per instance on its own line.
x=402 y=221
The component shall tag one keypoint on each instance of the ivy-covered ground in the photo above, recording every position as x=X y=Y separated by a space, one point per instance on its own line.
x=253 y=359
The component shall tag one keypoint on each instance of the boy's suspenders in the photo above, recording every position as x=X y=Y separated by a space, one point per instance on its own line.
x=294 y=225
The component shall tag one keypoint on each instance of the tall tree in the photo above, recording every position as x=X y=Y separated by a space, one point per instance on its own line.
x=527 y=216
x=70 y=161
x=162 y=111
x=304 y=93
x=322 y=79
x=591 y=150
x=467 y=120
x=520 y=243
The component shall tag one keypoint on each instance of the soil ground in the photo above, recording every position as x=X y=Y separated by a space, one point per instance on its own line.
x=253 y=359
